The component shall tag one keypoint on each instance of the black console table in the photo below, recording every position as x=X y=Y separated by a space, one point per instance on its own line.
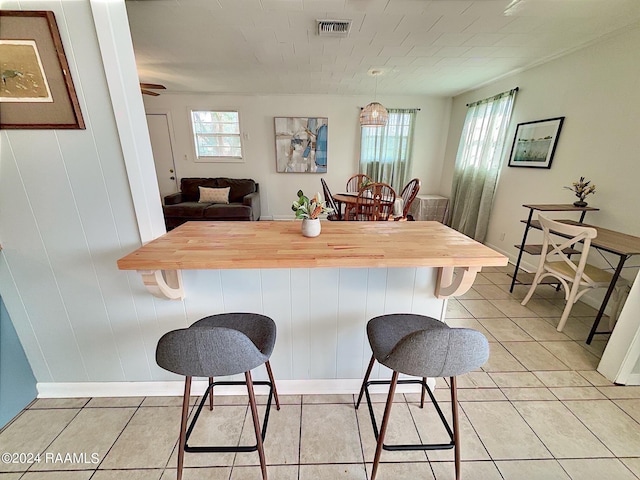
x=537 y=249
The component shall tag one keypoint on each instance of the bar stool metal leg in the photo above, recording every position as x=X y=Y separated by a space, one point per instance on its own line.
x=423 y=391
x=210 y=393
x=256 y=424
x=456 y=426
x=183 y=425
x=366 y=379
x=385 y=423
x=273 y=383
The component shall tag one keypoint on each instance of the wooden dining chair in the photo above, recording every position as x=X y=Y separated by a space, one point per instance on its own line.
x=354 y=184
x=409 y=194
x=577 y=277
x=330 y=202
x=375 y=202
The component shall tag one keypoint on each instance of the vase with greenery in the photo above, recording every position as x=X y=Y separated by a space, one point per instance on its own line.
x=581 y=189
x=309 y=210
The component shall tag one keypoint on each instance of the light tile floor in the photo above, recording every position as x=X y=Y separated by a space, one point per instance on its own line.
x=537 y=410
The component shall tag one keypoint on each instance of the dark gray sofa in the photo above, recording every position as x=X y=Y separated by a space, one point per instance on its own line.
x=181 y=207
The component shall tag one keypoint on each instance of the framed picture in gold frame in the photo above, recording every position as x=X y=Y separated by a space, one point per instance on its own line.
x=36 y=89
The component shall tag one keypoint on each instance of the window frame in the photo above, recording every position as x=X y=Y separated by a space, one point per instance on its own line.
x=393 y=171
x=194 y=137
x=404 y=139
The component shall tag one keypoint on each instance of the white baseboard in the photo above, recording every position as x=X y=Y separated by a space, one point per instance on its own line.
x=176 y=388
x=634 y=379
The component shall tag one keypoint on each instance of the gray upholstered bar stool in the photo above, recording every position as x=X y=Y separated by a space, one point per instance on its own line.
x=421 y=346
x=217 y=346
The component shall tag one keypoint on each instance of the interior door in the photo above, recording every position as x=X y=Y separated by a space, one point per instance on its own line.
x=162 y=153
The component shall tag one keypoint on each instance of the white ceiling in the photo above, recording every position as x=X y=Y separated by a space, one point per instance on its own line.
x=426 y=47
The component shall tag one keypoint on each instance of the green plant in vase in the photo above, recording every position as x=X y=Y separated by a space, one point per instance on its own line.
x=306 y=208
x=309 y=210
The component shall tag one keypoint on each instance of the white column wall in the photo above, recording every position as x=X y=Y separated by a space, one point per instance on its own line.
x=66 y=217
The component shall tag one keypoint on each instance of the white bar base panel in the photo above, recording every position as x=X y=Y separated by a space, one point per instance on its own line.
x=176 y=388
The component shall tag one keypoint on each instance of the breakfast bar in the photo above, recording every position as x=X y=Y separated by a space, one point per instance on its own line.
x=242 y=245
x=320 y=291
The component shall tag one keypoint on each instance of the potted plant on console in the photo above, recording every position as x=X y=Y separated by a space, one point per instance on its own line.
x=581 y=189
x=309 y=210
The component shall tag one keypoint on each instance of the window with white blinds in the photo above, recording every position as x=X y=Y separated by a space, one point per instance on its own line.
x=217 y=135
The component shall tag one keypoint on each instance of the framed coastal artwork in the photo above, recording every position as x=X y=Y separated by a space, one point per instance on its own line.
x=301 y=144
x=535 y=143
x=36 y=89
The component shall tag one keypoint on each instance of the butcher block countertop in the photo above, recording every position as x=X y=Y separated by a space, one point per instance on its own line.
x=279 y=244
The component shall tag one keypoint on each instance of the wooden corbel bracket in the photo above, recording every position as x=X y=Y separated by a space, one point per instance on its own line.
x=449 y=285
x=165 y=284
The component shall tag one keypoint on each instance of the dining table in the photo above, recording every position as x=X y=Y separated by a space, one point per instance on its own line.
x=350 y=200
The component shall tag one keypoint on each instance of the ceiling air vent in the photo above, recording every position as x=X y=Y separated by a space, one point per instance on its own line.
x=333 y=28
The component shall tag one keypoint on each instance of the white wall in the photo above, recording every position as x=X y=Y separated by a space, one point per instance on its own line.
x=596 y=89
x=278 y=190
x=67 y=215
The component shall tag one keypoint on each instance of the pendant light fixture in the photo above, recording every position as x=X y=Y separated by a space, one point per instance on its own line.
x=374 y=114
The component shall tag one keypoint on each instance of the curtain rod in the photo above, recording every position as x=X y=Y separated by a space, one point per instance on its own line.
x=495 y=96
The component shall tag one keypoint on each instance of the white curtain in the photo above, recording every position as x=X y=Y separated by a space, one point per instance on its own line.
x=385 y=152
x=478 y=163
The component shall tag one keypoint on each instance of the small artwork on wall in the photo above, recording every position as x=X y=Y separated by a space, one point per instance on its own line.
x=301 y=144
x=535 y=143
x=23 y=77
x=36 y=89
